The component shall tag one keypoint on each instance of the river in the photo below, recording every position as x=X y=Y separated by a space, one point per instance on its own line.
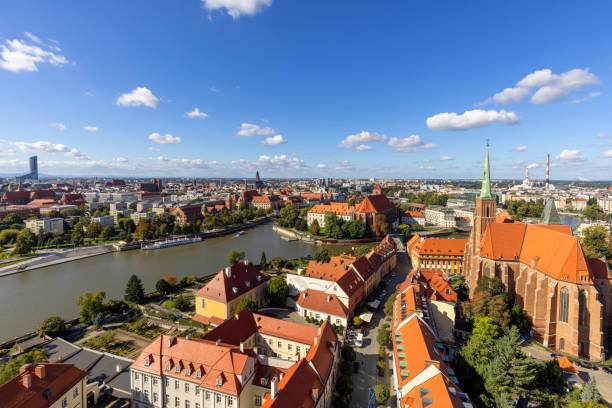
x=29 y=297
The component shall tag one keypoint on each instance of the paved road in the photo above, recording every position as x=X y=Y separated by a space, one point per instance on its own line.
x=367 y=356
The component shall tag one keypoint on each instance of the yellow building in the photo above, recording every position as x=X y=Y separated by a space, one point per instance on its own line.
x=217 y=301
x=442 y=254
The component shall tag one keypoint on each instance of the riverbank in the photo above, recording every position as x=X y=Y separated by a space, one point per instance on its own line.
x=283 y=232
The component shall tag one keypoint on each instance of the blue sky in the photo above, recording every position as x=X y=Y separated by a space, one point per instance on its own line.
x=398 y=89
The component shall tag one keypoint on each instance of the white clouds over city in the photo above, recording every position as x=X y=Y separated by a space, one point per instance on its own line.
x=571 y=157
x=250 y=130
x=164 y=139
x=237 y=8
x=90 y=128
x=23 y=55
x=274 y=140
x=358 y=140
x=49 y=147
x=470 y=119
x=195 y=113
x=140 y=96
x=520 y=149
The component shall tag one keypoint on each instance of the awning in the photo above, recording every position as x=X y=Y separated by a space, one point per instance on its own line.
x=366 y=317
x=374 y=304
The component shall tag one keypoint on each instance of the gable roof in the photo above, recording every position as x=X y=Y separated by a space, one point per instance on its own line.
x=233 y=281
x=322 y=302
x=374 y=204
x=441 y=246
x=503 y=241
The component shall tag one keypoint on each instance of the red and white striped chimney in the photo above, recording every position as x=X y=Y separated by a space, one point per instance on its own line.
x=547 y=170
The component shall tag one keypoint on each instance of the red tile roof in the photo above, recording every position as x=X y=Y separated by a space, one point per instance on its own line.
x=242 y=278
x=374 y=204
x=58 y=377
x=441 y=246
x=320 y=301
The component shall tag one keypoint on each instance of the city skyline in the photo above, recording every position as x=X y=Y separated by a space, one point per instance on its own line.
x=222 y=88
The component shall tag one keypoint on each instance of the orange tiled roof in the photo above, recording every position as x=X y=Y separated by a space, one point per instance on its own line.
x=322 y=302
x=566 y=365
x=502 y=241
x=336 y=208
x=441 y=246
x=374 y=204
x=243 y=277
x=437 y=288
x=599 y=268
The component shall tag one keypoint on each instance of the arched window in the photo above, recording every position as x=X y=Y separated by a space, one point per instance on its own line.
x=562 y=344
x=486 y=270
x=498 y=271
x=582 y=309
x=564 y=305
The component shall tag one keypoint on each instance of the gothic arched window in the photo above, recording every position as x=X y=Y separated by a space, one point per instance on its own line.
x=582 y=309
x=486 y=270
x=564 y=305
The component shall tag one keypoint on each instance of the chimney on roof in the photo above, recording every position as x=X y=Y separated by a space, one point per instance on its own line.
x=27 y=381
x=228 y=271
x=315 y=394
x=218 y=342
x=237 y=318
x=282 y=375
x=273 y=388
x=319 y=330
x=23 y=368
x=40 y=371
x=242 y=347
x=171 y=341
x=329 y=298
x=118 y=368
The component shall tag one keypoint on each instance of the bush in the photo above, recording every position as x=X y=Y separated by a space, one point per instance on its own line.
x=346 y=367
x=182 y=303
x=357 y=321
x=348 y=353
x=381 y=365
x=341 y=402
x=344 y=386
x=99 y=320
x=52 y=326
x=382 y=352
x=382 y=393
x=383 y=337
x=10 y=369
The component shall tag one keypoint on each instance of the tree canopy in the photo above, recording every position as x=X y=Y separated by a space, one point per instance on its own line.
x=53 y=326
x=595 y=241
x=134 y=292
x=235 y=256
x=278 y=291
x=91 y=305
x=246 y=303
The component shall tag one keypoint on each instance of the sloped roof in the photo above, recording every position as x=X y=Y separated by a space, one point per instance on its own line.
x=374 y=204
x=336 y=208
x=363 y=268
x=320 y=301
x=441 y=246
x=503 y=241
x=599 y=268
x=242 y=278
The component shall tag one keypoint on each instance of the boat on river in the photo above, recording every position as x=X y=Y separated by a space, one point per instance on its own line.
x=240 y=233
x=170 y=243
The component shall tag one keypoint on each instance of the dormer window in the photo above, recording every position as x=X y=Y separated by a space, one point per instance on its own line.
x=147 y=362
x=219 y=382
x=188 y=372
x=177 y=369
x=198 y=374
x=168 y=366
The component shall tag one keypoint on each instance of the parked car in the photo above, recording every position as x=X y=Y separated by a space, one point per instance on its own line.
x=553 y=355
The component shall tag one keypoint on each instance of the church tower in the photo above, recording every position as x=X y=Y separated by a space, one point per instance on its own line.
x=484 y=214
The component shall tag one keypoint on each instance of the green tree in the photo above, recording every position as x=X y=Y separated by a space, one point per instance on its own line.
x=485 y=327
x=235 y=256
x=107 y=233
x=356 y=229
x=380 y=226
x=134 y=292
x=344 y=385
x=263 y=262
x=94 y=229
x=322 y=255
x=288 y=216
x=8 y=236
x=382 y=393
x=144 y=230
x=246 y=303
x=278 y=291
x=315 y=229
x=11 y=368
x=348 y=353
x=25 y=242
x=53 y=326
x=589 y=392
x=594 y=212
x=182 y=303
x=383 y=337
x=91 y=305
x=277 y=262
x=595 y=241
x=76 y=237
x=99 y=320
x=361 y=250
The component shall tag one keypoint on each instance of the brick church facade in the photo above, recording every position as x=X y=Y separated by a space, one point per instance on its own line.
x=567 y=296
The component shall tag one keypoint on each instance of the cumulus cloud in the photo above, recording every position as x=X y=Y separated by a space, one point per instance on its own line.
x=520 y=149
x=59 y=126
x=358 y=140
x=182 y=162
x=274 y=140
x=250 y=130
x=446 y=158
x=153 y=149
x=470 y=119
x=140 y=96
x=550 y=87
x=164 y=139
x=534 y=166
x=42 y=146
x=411 y=143
x=195 y=113
x=606 y=155
x=120 y=160
x=212 y=89
x=90 y=128
x=321 y=166
x=571 y=156
x=76 y=154
x=237 y=8
x=21 y=55
x=345 y=165
x=427 y=168
x=277 y=162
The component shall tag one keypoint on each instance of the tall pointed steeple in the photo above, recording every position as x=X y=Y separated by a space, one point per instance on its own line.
x=485 y=191
x=550 y=215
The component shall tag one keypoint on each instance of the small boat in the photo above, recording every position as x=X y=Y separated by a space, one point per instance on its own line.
x=22 y=267
x=170 y=243
x=240 y=233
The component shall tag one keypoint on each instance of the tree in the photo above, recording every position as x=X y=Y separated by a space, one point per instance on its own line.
x=382 y=393
x=182 y=303
x=144 y=230
x=25 y=242
x=53 y=326
x=520 y=319
x=344 y=385
x=315 y=229
x=357 y=321
x=8 y=236
x=235 y=256
x=107 y=233
x=348 y=353
x=278 y=291
x=589 y=392
x=595 y=241
x=134 y=292
x=99 y=320
x=383 y=337
x=11 y=368
x=94 y=229
x=361 y=250
x=485 y=327
x=322 y=255
x=594 y=212
x=277 y=262
x=76 y=237
x=356 y=229
x=381 y=226
x=246 y=303
x=91 y=305
x=263 y=261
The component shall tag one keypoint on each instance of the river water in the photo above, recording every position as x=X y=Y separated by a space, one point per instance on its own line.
x=29 y=297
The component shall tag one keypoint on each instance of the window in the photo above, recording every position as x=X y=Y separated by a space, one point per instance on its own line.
x=177 y=402
x=154 y=397
x=146 y=394
x=154 y=380
x=197 y=405
x=198 y=374
x=582 y=309
x=186 y=403
x=297 y=349
x=218 y=399
x=177 y=369
x=136 y=376
x=289 y=347
x=64 y=402
x=188 y=372
x=564 y=305
x=207 y=395
x=318 y=316
x=270 y=341
x=166 y=382
x=203 y=303
x=145 y=378
x=75 y=393
x=337 y=321
x=258 y=400
x=167 y=367
x=279 y=344
x=562 y=344
x=176 y=385
x=186 y=387
x=486 y=270
x=230 y=402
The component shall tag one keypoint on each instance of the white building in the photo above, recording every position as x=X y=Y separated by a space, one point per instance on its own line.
x=104 y=220
x=341 y=210
x=138 y=216
x=440 y=216
x=44 y=225
x=605 y=204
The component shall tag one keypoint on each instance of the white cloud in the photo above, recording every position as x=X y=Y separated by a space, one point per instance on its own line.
x=74 y=153
x=183 y=162
x=427 y=168
x=164 y=139
x=446 y=158
x=197 y=114
x=140 y=96
x=588 y=97
x=274 y=140
x=345 y=165
x=278 y=162
x=59 y=126
x=411 y=143
x=236 y=8
x=6 y=152
x=249 y=130
x=520 y=149
x=606 y=155
x=42 y=146
x=153 y=149
x=19 y=55
x=510 y=95
x=516 y=165
x=358 y=140
x=213 y=89
x=120 y=160
x=548 y=94
x=89 y=94
x=470 y=119
x=571 y=156
x=90 y=128
x=321 y=166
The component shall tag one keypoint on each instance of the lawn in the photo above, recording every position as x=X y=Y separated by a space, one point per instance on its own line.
x=106 y=342
x=143 y=328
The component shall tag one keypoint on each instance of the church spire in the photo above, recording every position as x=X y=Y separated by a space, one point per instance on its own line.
x=485 y=191
x=550 y=215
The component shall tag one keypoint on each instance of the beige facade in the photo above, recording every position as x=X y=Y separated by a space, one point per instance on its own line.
x=45 y=225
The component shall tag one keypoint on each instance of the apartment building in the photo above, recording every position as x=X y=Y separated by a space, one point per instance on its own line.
x=440 y=216
x=45 y=225
x=104 y=220
x=234 y=366
x=341 y=210
x=45 y=385
x=443 y=254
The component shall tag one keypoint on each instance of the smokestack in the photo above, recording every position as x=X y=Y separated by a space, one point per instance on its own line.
x=547 y=170
x=273 y=388
x=527 y=173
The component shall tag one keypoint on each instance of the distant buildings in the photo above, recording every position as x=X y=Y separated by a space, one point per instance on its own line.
x=32 y=175
x=340 y=210
x=45 y=225
x=186 y=214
